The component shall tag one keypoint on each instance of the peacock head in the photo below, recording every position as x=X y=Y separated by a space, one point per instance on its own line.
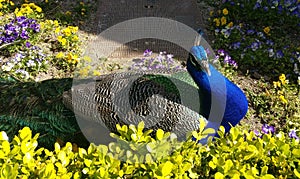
x=199 y=58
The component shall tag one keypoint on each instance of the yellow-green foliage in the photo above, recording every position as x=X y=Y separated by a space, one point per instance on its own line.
x=238 y=155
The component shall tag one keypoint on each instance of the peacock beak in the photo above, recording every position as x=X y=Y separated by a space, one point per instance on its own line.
x=205 y=66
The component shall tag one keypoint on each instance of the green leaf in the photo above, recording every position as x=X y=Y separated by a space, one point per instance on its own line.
x=219 y=175
x=6 y=147
x=195 y=134
x=202 y=125
x=296 y=173
x=264 y=170
x=141 y=126
x=212 y=165
x=268 y=176
x=3 y=136
x=134 y=137
x=25 y=133
x=228 y=165
x=159 y=134
x=167 y=168
x=56 y=147
x=87 y=162
x=208 y=131
x=296 y=152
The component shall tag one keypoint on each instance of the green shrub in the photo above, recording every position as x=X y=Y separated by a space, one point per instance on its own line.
x=240 y=154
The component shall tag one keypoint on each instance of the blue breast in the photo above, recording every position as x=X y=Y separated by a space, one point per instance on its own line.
x=219 y=95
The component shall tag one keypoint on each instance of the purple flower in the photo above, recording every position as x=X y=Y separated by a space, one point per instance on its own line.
x=35 y=27
x=279 y=54
x=250 y=32
x=24 y=34
x=268 y=129
x=221 y=52
x=254 y=46
x=236 y=45
x=207 y=51
x=21 y=19
x=292 y=134
x=228 y=60
x=266 y=8
x=257 y=133
x=287 y=3
x=270 y=42
x=256 y=6
x=147 y=53
x=27 y=44
x=30 y=63
x=271 y=52
x=23 y=72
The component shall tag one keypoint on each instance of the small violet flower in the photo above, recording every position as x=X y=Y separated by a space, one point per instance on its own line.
x=268 y=129
x=292 y=134
x=147 y=53
x=279 y=54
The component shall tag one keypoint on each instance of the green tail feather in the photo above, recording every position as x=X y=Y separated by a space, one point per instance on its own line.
x=38 y=106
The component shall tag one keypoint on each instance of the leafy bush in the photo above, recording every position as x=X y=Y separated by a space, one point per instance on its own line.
x=239 y=154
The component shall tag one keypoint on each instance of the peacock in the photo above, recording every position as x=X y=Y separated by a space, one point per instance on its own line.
x=77 y=110
x=172 y=99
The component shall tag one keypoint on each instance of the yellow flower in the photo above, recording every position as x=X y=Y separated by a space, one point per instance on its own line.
x=229 y=25
x=68 y=13
x=60 y=55
x=56 y=24
x=217 y=21
x=75 y=38
x=81 y=3
x=96 y=73
x=73 y=29
x=223 y=20
x=46 y=1
x=26 y=1
x=282 y=77
x=57 y=30
x=225 y=11
x=75 y=59
x=84 y=71
x=282 y=98
x=67 y=32
x=11 y=3
x=1 y=14
x=276 y=84
x=267 y=30
x=62 y=40
x=69 y=57
x=72 y=58
x=87 y=59
x=211 y=13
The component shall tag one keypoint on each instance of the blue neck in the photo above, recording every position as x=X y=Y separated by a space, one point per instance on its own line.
x=221 y=100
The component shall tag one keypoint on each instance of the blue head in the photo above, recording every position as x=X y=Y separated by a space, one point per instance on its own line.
x=198 y=58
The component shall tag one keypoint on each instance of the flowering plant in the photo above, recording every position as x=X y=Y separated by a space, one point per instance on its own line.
x=265 y=46
x=25 y=64
x=162 y=61
x=19 y=29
